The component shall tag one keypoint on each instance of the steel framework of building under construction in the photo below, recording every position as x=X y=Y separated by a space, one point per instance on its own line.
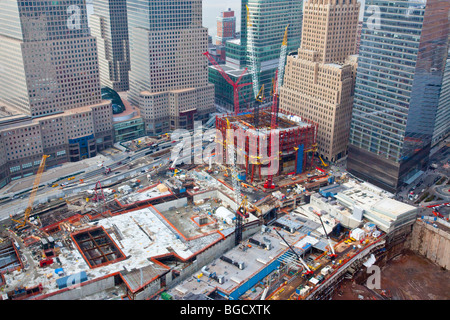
x=296 y=140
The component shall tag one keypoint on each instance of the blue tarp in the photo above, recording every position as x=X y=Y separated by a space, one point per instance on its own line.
x=254 y=280
x=71 y=280
x=299 y=160
x=59 y=270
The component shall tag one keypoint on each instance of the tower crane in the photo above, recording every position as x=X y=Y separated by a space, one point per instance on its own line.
x=236 y=85
x=278 y=81
x=275 y=91
x=269 y=182
x=308 y=270
x=282 y=61
x=251 y=50
x=241 y=212
x=22 y=222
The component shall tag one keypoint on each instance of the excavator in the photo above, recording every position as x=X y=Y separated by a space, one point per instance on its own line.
x=22 y=222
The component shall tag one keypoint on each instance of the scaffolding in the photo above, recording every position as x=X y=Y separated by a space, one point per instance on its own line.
x=292 y=135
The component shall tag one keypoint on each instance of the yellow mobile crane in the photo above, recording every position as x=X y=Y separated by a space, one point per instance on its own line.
x=323 y=162
x=22 y=222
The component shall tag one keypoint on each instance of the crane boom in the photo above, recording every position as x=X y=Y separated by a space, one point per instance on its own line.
x=174 y=164
x=333 y=255
x=33 y=193
x=236 y=85
x=309 y=271
x=282 y=61
x=251 y=50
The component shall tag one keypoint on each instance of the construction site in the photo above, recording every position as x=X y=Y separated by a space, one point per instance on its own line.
x=186 y=231
x=168 y=229
x=294 y=143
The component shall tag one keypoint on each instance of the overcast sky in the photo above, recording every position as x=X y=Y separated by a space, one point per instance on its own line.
x=212 y=9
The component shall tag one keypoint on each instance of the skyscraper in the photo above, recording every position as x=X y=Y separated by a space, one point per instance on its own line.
x=319 y=79
x=50 y=79
x=403 y=50
x=442 y=126
x=168 y=77
x=263 y=24
x=109 y=24
x=263 y=27
x=49 y=59
x=226 y=27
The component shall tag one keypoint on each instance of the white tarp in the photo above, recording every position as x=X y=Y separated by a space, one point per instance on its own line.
x=357 y=234
x=225 y=214
x=370 y=261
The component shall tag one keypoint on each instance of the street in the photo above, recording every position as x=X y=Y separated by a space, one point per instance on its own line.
x=432 y=186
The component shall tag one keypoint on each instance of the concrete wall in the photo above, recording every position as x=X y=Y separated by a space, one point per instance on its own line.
x=150 y=290
x=430 y=242
x=171 y=204
x=227 y=200
x=205 y=195
x=216 y=194
x=209 y=255
x=85 y=290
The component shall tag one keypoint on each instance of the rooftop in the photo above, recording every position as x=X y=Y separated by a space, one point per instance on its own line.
x=247 y=121
x=233 y=272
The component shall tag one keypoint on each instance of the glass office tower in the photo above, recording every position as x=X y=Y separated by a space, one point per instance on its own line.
x=258 y=49
x=442 y=125
x=268 y=21
x=403 y=49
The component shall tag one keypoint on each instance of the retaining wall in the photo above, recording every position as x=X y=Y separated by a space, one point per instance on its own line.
x=83 y=290
x=430 y=242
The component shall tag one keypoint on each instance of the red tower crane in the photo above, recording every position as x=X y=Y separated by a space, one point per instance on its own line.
x=274 y=121
x=236 y=85
x=98 y=195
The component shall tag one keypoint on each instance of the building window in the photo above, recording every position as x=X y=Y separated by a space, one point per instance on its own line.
x=14 y=169
x=27 y=165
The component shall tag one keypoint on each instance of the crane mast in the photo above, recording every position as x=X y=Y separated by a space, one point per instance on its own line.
x=251 y=50
x=24 y=221
x=241 y=211
x=277 y=82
